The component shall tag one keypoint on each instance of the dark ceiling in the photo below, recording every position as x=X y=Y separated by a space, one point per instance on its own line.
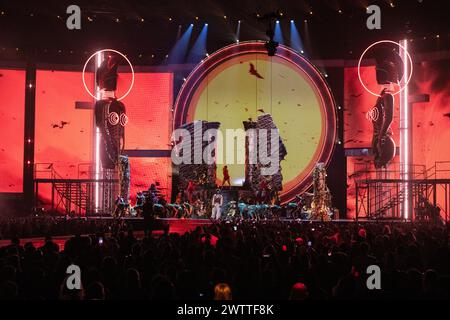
x=146 y=29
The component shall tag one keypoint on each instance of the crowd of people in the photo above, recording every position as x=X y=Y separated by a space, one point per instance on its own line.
x=236 y=260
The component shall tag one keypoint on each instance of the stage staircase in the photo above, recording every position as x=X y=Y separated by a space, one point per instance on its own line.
x=71 y=196
x=382 y=198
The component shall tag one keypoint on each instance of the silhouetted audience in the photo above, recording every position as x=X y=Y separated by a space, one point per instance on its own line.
x=233 y=260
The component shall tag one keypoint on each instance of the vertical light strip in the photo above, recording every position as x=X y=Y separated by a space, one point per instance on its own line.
x=98 y=61
x=405 y=127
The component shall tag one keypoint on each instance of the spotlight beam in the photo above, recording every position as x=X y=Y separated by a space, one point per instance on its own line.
x=198 y=50
x=178 y=53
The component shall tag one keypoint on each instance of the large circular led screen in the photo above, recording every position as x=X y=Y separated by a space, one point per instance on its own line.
x=241 y=82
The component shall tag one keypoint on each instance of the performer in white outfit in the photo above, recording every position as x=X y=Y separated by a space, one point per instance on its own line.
x=217 y=202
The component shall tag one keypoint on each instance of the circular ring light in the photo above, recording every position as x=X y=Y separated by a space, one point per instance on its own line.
x=113 y=118
x=123 y=119
x=374 y=44
x=108 y=50
x=292 y=61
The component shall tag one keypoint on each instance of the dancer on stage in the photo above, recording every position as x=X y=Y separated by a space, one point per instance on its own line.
x=226 y=176
x=217 y=202
x=190 y=190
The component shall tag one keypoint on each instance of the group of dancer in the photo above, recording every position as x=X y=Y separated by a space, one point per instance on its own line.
x=211 y=205
x=207 y=203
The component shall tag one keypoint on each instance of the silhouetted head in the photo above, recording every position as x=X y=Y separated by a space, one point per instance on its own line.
x=299 y=291
x=222 y=291
x=389 y=66
x=106 y=77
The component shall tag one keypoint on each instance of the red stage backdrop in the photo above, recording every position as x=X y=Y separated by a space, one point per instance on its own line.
x=431 y=121
x=12 y=111
x=64 y=134
x=149 y=110
x=357 y=101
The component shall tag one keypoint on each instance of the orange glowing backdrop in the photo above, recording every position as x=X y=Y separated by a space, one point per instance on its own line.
x=65 y=135
x=12 y=113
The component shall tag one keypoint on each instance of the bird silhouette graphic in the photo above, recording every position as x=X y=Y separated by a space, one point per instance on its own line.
x=61 y=124
x=254 y=72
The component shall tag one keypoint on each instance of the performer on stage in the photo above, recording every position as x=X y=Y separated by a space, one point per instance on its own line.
x=389 y=70
x=190 y=190
x=226 y=176
x=217 y=202
x=120 y=207
x=140 y=199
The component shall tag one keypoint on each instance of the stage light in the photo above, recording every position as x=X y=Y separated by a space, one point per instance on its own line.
x=196 y=18
x=170 y=19
x=90 y=19
x=278 y=35
x=30 y=85
x=295 y=40
x=340 y=11
x=142 y=20
x=28 y=162
x=238 y=31
x=198 y=50
x=405 y=131
x=310 y=12
x=224 y=17
x=117 y=20
x=29 y=140
x=437 y=36
x=177 y=54
x=98 y=60
x=302 y=52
